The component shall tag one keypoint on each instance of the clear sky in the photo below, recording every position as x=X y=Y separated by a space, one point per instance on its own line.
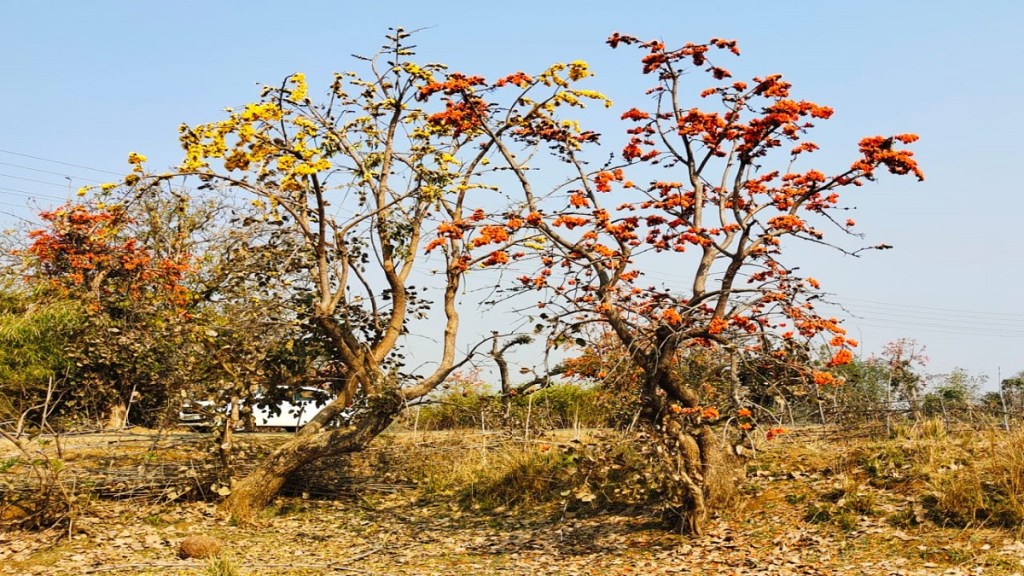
x=87 y=82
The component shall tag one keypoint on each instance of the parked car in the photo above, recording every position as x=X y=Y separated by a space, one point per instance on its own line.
x=291 y=413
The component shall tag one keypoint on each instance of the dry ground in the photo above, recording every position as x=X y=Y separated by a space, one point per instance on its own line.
x=400 y=529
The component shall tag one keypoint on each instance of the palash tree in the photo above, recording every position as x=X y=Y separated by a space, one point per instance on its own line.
x=719 y=215
x=380 y=185
x=411 y=169
x=128 y=284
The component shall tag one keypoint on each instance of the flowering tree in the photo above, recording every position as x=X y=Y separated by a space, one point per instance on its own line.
x=381 y=185
x=132 y=295
x=410 y=169
x=905 y=356
x=718 y=213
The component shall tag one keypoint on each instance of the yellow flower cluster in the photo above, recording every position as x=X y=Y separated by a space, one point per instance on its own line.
x=578 y=70
x=266 y=111
x=299 y=91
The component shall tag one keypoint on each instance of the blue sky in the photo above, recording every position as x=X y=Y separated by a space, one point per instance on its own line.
x=87 y=82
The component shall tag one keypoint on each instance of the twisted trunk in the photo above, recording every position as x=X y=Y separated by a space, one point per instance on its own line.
x=689 y=447
x=254 y=492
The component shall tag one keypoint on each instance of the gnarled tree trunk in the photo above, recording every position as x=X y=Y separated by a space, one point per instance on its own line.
x=689 y=448
x=315 y=441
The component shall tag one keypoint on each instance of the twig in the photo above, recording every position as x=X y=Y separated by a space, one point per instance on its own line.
x=146 y=565
x=248 y=565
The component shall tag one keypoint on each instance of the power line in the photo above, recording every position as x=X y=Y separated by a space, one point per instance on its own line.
x=898 y=309
x=845 y=299
x=958 y=332
x=57 y=184
x=12 y=204
x=59 y=162
x=72 y=176
x=1006 y=323
x=32 y=194
x=995 y=330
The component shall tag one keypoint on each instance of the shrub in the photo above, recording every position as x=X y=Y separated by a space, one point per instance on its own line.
x=564 y=406
x=561 y=406
x=987 y=488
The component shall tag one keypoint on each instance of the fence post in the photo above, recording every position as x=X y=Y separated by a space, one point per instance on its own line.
x=1002 y=399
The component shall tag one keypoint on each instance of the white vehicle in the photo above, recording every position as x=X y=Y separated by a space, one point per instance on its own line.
x=291 y=413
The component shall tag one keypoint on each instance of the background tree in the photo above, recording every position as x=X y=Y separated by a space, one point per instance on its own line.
x=864 y=393
x=952 y=395
x=126 y=284
x=905 y=357
x=33 y=359
x=1012 y=389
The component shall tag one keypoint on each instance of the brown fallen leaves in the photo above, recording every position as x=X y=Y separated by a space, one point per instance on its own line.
x=409 y=532
x=402 y=536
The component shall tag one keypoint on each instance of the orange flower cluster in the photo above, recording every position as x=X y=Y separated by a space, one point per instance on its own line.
x=457 y=83
x=788 y=222
x=717 y=325
x=518 y=79
x=603 y=180
x=460 y=117
x=490 y=235
x=496 y=257
x=879 y=151
x=823 y=378
x=569 y=221
x=635 y=114
x=844 y=356
x=80 y=247
x=671 y=317
x=709 y=413
x=578 y=200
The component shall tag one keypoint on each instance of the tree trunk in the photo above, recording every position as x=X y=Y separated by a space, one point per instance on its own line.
x=116 y=417
x=690 y=447
x=254 y=492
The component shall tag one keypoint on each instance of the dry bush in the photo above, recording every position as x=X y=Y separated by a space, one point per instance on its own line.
x=987 y=488
x=221 y=566
x=558 y=407
x=199 y=547
x=843 y=505
x=477 y=470
x=33 y=493
x=969 y=478
x=602 y=471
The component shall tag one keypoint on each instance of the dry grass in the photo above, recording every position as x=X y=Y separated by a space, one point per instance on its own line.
x=929 y=500
x=481 y=471
x=958 y=478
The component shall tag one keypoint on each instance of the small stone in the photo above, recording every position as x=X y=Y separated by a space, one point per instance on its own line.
x=198 y=547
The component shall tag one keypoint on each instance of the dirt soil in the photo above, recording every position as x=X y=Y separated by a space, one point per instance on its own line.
x=401 y=531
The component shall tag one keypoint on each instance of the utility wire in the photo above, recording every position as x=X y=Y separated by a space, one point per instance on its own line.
x=958 y=332
x=32 y=194
x=59 y=162
x=57 y=184
x=992 y=330
x=1008 y=323
x=949 y=311
x=71 y=176
x=856 y=306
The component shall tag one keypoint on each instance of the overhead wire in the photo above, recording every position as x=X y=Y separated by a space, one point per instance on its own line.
x=42 y=159
x=868 y=303
x=31 y=194
x=880 y=314
x=72 y=176
x=57 y=184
